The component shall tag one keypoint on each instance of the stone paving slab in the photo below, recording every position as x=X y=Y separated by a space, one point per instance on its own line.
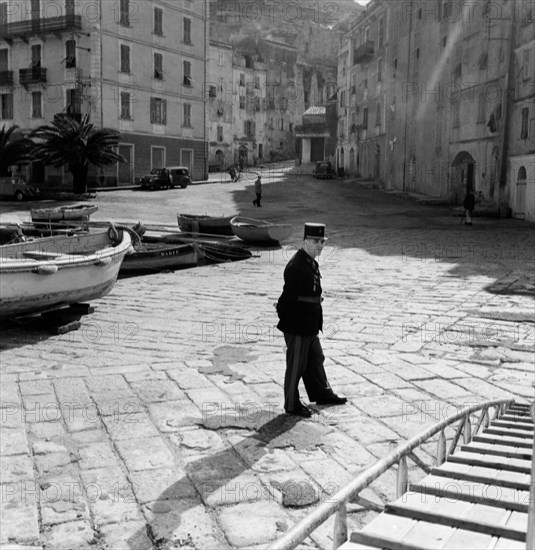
x=159 y=423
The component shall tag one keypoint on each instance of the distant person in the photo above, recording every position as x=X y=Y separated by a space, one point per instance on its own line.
x=300 y=319
x=469 y=204
x=232 y=173
x=240 y=164
x=258 y=191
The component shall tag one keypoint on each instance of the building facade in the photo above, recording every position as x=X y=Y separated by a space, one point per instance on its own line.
x=136 y=67
x=438 y=97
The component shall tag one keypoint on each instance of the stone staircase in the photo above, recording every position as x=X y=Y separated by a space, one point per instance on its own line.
x=478 y=498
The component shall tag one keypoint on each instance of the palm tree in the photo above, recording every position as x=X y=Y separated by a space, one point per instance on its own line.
x=13 y=149
x=77 y=145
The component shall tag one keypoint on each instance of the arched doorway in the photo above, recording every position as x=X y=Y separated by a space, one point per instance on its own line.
x=352 y=161
x=342 y=160
x=520 y=198
x=462 y=176
x=220 y=159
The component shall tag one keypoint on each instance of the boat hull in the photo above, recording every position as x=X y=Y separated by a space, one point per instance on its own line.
x=157 y=257
x=39 y=276
x=259 y=231
x=63 y=213
x=211 y=225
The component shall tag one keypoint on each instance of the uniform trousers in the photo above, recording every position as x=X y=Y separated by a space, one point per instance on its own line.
x=304 y=359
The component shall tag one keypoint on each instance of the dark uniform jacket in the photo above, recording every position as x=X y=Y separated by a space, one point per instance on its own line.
x=469 y=201
x=299 y=306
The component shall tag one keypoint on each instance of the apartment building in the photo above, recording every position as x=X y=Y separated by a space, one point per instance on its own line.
x=521 y=130
x=443 y=99
x=136 y=67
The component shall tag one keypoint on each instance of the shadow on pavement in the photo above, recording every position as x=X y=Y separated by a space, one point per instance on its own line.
x=167 y=523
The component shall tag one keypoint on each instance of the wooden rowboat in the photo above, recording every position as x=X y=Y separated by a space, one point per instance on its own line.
x=62 y=213
x=161 y=256
x=259 y=231
x=217 y=225
x=52 y=272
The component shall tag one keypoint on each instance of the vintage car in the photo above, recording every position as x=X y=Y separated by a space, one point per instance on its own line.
x=174 y=176
x=16 y=188
x=323 y=170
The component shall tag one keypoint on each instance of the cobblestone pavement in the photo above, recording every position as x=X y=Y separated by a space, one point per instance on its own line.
x=159 y=424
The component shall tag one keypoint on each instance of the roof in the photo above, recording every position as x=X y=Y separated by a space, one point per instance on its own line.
x=315 y=110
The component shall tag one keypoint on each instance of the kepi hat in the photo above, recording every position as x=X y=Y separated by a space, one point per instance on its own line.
x=314 y=230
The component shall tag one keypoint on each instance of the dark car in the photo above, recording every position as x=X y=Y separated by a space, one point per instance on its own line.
x=16 y=188
x=323 y=170
x=174 y=176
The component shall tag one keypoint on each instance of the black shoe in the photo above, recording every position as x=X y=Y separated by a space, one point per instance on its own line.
x=332 y=400
x=303 y=411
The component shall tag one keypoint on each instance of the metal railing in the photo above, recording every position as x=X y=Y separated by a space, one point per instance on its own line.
x=337 y=504
x=530 y=536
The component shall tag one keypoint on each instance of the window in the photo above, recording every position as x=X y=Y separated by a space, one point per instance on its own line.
x=158 y=110
x=187 y=30
x=365 y=118
x=481 y=109
x=220 y=133
x=282 y=124
x=70 y=54
x=187 y=114
x=381 y=31
x=444 y=41
x=378 y=114
x=158 y=66
x=4 y=65
x=212 y=91
x=483 y=61
x=417 y=53
x=526 y=65
x=158 y=21
x=125 y=105
x=36 y=56
x=6 y=106
x=73 y=102
x=242 y=79
x=242 y=102
x=342 y=98
x=257 y=82
x=380 y=69
x=395 y=67
x=124 y=13
x=37 y=109
x=249 y=62
x=35 y=9
x=366 y=34
x=125 y=59
x=456 y=107
x=524 y=129
x=249 y=127
x=220 y=59
x=3 y=13
x=187 y=73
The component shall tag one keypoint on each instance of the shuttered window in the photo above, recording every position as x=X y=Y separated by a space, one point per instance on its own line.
x=125 y=58
x=158 y=110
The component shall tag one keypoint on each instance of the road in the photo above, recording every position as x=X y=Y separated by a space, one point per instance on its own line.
x=159 y=424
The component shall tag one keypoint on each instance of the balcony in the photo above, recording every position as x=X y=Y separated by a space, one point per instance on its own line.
x=33 y=27
x=363 y=52
x=32 y=76
x=6 y=78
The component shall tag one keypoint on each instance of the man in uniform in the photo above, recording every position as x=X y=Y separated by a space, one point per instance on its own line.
x=301 y=318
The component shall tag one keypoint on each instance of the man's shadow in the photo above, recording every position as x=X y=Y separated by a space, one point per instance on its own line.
x=209 y=475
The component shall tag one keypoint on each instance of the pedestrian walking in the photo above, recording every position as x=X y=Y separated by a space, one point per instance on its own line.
x=258 y=191
x=300 y=319
x=469 y=204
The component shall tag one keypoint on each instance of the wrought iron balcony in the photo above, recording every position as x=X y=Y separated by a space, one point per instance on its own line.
x=32 y=27
x=32 y=76
x=363 y=52
x=6 y=78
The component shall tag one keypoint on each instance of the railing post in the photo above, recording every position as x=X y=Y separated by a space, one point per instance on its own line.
x=486 y=419
x=403 y=477
x=340 y=526
x=441 y=448
x=467 y=432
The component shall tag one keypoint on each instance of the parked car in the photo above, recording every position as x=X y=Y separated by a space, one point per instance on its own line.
x=323 y=170
x=174 y=176
x=16 y=188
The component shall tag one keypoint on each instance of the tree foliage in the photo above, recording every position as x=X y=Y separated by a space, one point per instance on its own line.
x=13 y=150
